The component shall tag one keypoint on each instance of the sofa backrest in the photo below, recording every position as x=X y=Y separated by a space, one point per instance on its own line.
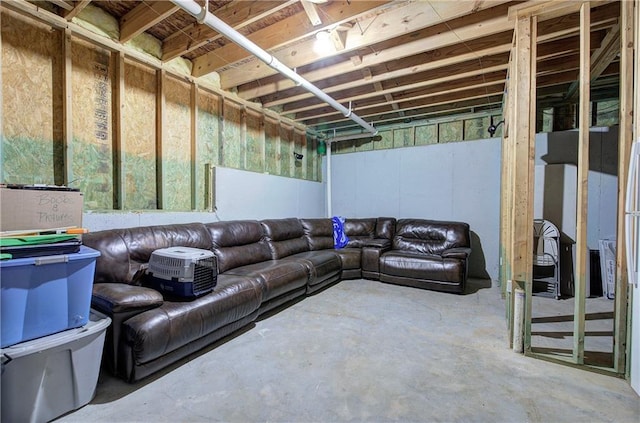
x=284 y=237
x=318 y=233
x=238 y=243
x=124 y=251
x=385 y=227
x=359 y=230
x=430 y=236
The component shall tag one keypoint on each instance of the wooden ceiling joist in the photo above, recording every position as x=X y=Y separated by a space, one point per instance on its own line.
x=78 y=6
x=144 y=16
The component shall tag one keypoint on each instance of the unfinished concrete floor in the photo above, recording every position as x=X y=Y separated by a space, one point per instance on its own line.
x=368 y=351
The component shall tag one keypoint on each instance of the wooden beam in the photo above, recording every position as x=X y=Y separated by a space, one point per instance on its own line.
x=77 y=8
x=144 y=16
x=160 y=136
x=67 y=107
x=285 y=31
x=62 y=4
x=119 y=147
x=582 y=188
x=547 y=9
x=339 y=39
x=471 y=20
x=312 y=12
x=193 y=107
x=600 y=59
x=236 y=14
x=625 y=140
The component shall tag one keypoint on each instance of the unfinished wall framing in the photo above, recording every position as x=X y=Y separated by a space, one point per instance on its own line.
x=131 y=133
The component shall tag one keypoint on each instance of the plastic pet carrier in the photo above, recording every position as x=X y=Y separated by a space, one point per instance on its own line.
x=182 y=271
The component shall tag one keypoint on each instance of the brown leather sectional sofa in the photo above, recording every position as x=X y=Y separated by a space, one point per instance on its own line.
x=261 y=265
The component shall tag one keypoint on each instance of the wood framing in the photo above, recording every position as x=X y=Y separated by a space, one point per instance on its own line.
x=625 y=140
x=160 y=109
x=67 y=108
x=194 y=145
x=582 y=188
x=117 y=104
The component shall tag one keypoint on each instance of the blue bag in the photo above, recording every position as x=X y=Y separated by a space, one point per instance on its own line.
x=340 y=239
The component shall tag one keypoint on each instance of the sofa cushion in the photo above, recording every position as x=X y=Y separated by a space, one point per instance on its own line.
x=125 y=251
x=238 y=243
x=359 y=231
x=321 y=265
x=385 y=227
x=430 y=237
x=284 y=237
x=318 y=233
x=161 y=330
x=422 y=266
x=276 y=277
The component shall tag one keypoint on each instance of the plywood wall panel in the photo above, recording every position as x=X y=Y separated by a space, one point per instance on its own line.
x=272 y=147
x=207 y=144
x=233 y=144
x=426 y=134
x=286 y=151
x=32 y=102
x=450 y=131
x=475 y=129
x=386 y=141
x=92 y=145
x=403 y=137
x=300 y=147
x=255 y=147
x=139 y=133
x=176 y=145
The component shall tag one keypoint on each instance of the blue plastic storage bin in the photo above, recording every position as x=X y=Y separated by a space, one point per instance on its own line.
x=44 y=295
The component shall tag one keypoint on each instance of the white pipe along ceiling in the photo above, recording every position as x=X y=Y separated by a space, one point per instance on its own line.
x=203 y=15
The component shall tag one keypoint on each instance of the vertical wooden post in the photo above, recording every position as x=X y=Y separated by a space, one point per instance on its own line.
x=160 y=108
x=67 y=108
x=1 y=114
x=244 y=151
x=194 y=145
x=524 y=149
x=119 y=159
x=582 y=188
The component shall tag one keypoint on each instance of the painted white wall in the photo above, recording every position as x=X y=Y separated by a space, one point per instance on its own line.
x=456 y=181
x=239 y=195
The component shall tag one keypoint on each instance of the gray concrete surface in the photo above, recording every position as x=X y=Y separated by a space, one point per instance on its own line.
x=367 y=351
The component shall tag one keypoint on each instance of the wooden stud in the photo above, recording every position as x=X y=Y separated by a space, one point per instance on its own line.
x=1 y=108
x=67 y=108
x=221 y=127
x=244 y=160
x=160 y=108
x=312 y=12
x=117 y=105
x=582 y=188
x=194 y=146
x=625 y=140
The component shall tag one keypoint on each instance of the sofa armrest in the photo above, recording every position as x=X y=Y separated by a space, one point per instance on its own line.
x=371 y=260
x=458 y=252
x=111 y=298
x=121 y=302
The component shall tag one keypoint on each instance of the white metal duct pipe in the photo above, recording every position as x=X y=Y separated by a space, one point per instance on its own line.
x=195 y=10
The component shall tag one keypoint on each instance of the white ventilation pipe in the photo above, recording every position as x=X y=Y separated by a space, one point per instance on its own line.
x=195 y=10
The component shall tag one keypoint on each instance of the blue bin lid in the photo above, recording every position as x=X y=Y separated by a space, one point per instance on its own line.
x=83 y=254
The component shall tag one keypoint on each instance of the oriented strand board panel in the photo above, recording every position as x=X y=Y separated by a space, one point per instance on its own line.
x=272 y=147
x=300 y=147
x=255 y=142
x=450 y=131
x=475 y=129
x=343 y=147
x=426 y=134
x=32 y=102
x=92 y=125
x=385 y=142
x=139 y=133
x=403 y=137
x=232 y=142
x=286 y=151
x=206 y=140
x=176 y=145
x=312 y=158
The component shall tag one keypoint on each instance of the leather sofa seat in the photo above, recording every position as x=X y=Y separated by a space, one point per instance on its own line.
x=175 y=325
x=428 y=254
x=242 y=250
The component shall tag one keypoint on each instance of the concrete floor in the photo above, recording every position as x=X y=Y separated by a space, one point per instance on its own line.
x=367 y=351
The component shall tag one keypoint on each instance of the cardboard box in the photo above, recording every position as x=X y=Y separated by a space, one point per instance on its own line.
x=39 y=208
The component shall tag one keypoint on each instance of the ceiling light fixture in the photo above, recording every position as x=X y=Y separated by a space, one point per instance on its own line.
x=322 y=35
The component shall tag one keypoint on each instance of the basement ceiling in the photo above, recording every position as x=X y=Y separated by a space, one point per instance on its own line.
x=390 y=61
